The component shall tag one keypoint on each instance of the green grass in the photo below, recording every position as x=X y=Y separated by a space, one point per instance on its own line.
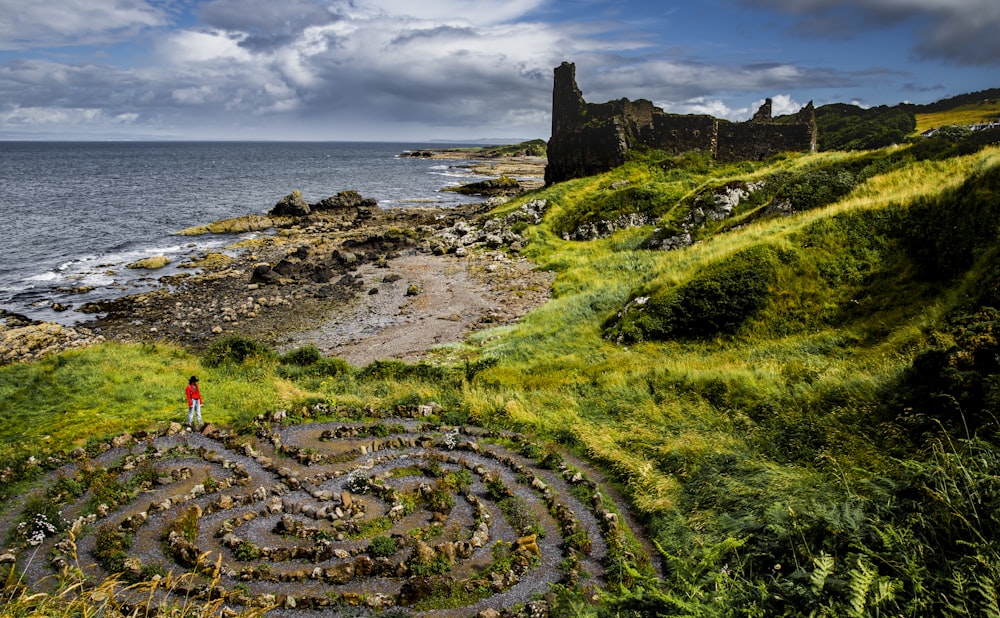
x=68 y=399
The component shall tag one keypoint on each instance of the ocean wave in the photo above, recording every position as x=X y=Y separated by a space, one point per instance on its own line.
x=456 y=174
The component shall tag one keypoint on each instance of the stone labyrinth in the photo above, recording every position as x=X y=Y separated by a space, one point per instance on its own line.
x=358 y=517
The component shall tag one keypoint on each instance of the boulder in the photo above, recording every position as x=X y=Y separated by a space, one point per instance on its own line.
x=345 y=200
x=292 y=205
x=339 y=573
x=417 y=589
x=263 y=273
x=183 y=551
x=504 y=185
x=150 y=263
x=528 y=544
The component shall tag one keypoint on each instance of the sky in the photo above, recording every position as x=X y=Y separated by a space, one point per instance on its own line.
x=462 y=70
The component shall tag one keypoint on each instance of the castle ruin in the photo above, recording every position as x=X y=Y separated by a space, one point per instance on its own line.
x=590 y=138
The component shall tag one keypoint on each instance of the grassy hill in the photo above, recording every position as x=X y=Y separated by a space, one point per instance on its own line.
x=799 y=397
x=844 y=126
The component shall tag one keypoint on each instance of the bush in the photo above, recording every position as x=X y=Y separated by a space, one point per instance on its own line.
x=519 y=515
x=383 y=547
x=234 y=349
x=247 y=552
x=442 y=496
x=111 y=547
x=958 y=386
x=304 y=356
x=40 y=516
x=320 y=368
x=331 y=367
x=187 y=525
x=946 y=233
x=715 y=302
x=398 y=370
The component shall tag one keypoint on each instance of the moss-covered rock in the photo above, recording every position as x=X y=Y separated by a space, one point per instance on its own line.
x=504 y=185
x=235 y=225
x=150 y=263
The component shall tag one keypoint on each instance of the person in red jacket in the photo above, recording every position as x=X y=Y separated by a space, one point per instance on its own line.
x=194 y=400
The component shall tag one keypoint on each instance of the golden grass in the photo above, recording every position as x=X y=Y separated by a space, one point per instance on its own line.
x=960 y=116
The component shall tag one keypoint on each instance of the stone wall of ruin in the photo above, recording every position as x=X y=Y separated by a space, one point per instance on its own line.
x=590 y=138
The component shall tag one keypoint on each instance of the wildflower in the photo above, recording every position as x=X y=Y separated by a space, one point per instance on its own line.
x=451 y=439
x=357 y=482
x=41 y=527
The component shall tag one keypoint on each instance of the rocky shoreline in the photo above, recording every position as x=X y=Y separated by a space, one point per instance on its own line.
x=335 y=277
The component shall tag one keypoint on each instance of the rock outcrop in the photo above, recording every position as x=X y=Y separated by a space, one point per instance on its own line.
x=491 y=187
x=345 y=202
x=590 y=138
x=292 y=205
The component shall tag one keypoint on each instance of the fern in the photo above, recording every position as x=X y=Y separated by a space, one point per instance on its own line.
x=824 y=564
x=987 y=590
x=861 y=580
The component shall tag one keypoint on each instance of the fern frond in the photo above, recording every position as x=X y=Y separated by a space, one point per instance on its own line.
x=861 y=580
x=824 y=564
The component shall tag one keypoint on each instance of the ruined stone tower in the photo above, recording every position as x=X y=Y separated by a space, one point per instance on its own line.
x=590 y=138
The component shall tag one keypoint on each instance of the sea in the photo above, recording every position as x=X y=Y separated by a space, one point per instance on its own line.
x=75 y=214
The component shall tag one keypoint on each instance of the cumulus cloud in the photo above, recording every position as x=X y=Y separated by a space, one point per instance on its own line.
x=266 y=24
x=690 y=85
x=781 y=104
x=963 y=31
x=28 y=25
x=479 y=12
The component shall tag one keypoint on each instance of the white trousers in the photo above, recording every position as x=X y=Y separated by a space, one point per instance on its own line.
x=193 y=410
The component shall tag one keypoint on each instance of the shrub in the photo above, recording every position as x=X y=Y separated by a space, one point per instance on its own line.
x=246 y=552
x=958 y=386
x=234 y=349
x=105 y=489
x=551 y=461
x=715 y=302
x=331 y=367
x=442 y=497
x=946 y=233
x=849 y=127
x=519 y=515
x=398 y=370
x=357 y=482
x=111 y=547
x=495 y=487
x=40 y=516
x=304 y=356
x=302 y=367
x=65 y=488
x=187 y=525
x=383 y=547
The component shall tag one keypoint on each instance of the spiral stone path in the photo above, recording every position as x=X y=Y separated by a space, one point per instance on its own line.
x=355 y=517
